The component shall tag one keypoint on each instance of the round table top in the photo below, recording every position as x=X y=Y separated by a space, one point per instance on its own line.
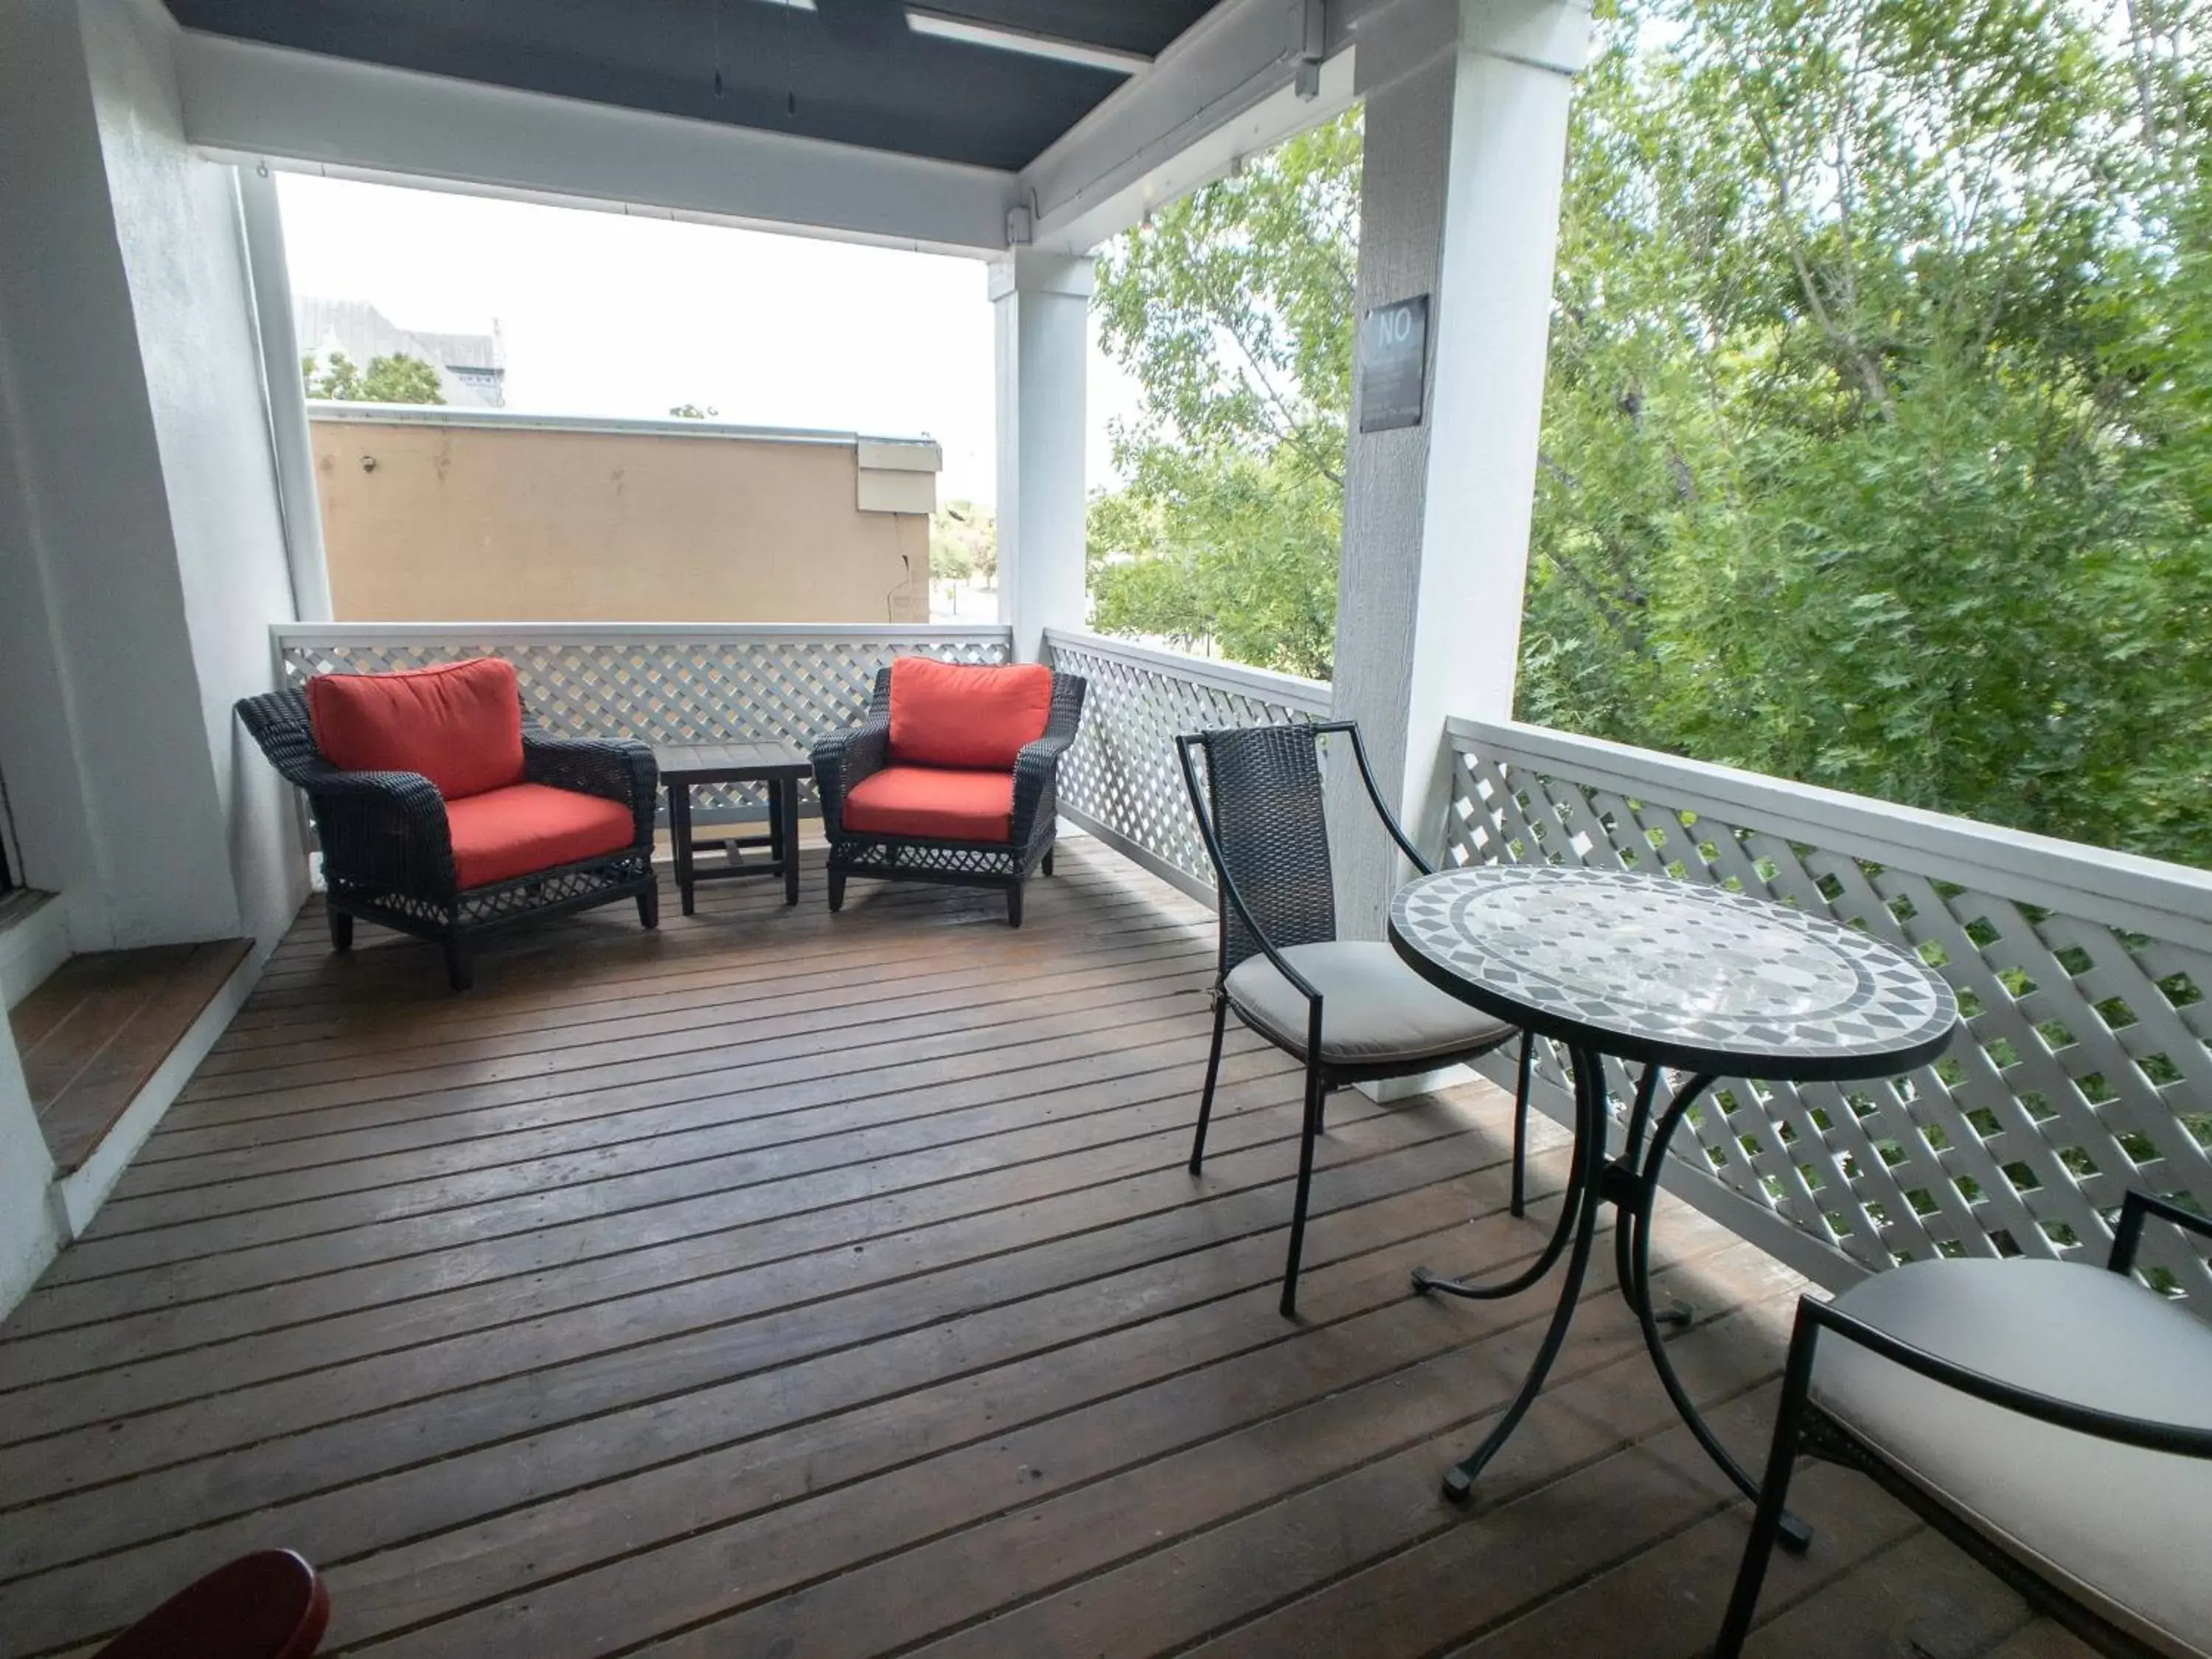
x=1648 y=968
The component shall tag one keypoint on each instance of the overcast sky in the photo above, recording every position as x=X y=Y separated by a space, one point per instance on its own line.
x=603 y=315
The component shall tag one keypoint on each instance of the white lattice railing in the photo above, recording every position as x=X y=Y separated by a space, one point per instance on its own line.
x=1121 y=782
x=662 y=683
x=2085 y=1066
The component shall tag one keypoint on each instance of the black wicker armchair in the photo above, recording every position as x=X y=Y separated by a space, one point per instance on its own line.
x=1349 y=1008
x=935 y=822
x=388 y=843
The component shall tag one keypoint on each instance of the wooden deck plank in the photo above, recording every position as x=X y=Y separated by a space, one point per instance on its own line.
x=94 y=1035
x=1921 y=1597
x=838 y=1282
x=1162 y=1313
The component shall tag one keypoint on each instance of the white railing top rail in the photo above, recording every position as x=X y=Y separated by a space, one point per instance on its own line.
x=1307 y=697
x=2121 y=890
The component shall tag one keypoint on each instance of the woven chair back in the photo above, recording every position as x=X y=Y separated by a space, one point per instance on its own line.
x=1264 y=795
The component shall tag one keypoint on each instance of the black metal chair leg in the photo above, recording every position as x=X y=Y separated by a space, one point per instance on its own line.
x=461 y=973
x=836 y=888
x=1212 y=1073
x=648 y=907
x=1521 y=1127
x=341 y=931
x=1308 y=1131
x=1047 y=866
x=1766 y=1524
x=1014 y=905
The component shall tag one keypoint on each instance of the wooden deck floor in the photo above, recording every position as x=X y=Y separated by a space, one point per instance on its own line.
x=784 y=1283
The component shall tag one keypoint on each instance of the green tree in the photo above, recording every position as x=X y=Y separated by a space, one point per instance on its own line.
x=694 y=412
x=1232 y=307
x=398 y=378
x=1868 y=442
x=964 y=542
x=1877 y=444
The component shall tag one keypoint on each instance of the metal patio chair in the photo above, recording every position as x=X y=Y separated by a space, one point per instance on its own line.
x=1348 y=1008
x=2052 y=1419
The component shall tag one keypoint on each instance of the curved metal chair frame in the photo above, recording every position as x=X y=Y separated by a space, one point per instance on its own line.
x=1801 y=1427
x=1279 y=895
x=842 y=761
x=388 y=852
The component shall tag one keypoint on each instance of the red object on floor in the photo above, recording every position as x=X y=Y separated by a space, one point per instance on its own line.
x=459 y=724
x=933 y=801
x=269 y=1605
x=505 y=833
x=964 y=716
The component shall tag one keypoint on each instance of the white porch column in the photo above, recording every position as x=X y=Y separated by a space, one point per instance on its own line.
x=271 y=282
x=1043 y=304
x=1465 y=144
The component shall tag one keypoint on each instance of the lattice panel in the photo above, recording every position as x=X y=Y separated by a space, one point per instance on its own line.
x=2085 y=1066
x=1121 y=772
x=719 y=685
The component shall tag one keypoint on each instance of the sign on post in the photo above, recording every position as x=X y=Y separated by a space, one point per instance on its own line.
x=1393 y=362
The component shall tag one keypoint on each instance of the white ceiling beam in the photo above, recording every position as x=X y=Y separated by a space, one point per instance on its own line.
x=1244 y=77
x=244 y=101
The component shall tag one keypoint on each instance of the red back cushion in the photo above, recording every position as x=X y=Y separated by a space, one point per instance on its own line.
x=459 y=725
x=946 y=713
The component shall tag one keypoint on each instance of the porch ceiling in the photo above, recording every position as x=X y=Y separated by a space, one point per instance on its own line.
x=852 y=71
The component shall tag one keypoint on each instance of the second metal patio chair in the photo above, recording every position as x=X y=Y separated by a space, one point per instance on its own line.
x=1348 y=1008
x=2052 y=1420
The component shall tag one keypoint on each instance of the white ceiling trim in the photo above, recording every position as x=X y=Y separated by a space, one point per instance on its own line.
x=244 y=101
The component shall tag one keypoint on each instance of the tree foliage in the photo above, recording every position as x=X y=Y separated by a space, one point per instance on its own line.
x=1877 y=444
x=398 y=378
x=1869 y=444
x=964 y=542
x=1231 y=308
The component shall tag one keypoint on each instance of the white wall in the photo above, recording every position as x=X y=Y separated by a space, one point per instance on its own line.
x=141 y=551
x=29 y=1233
x=182 y=237
x=142 y=554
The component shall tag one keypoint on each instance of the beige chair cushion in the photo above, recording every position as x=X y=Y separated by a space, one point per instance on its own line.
x=1375 y=1011
x=2124 y=1530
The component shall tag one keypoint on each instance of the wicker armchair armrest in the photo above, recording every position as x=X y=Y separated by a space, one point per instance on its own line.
x=1037 y=775
x=842 y=761
x=382 y=830
x=616 y=769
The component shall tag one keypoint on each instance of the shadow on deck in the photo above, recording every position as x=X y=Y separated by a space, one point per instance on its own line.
x=784 y=1283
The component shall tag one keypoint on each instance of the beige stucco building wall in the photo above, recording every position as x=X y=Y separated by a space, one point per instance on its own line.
x=437 y=515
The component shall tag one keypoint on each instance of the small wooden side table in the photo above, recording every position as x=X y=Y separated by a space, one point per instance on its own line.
x=777 y=765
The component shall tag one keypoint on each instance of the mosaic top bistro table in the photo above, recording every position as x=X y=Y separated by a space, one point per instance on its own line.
x=777 y=767
x=1677 y=978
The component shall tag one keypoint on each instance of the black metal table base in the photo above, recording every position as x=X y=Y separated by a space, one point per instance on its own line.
x=1630 y=1182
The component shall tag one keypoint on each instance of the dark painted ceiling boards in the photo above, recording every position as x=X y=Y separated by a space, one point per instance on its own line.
x=850 y=70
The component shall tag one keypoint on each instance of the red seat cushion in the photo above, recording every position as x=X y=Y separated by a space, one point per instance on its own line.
x=933 y=802
x=459 y=724
x=269 y=1605
x=974 y=719
x=505 y=833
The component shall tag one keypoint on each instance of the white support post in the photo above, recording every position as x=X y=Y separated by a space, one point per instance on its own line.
x=1464 y=151
x=284 y=392
x=1042 y=303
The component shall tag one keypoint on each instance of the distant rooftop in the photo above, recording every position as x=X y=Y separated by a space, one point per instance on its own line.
x=472 y=368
